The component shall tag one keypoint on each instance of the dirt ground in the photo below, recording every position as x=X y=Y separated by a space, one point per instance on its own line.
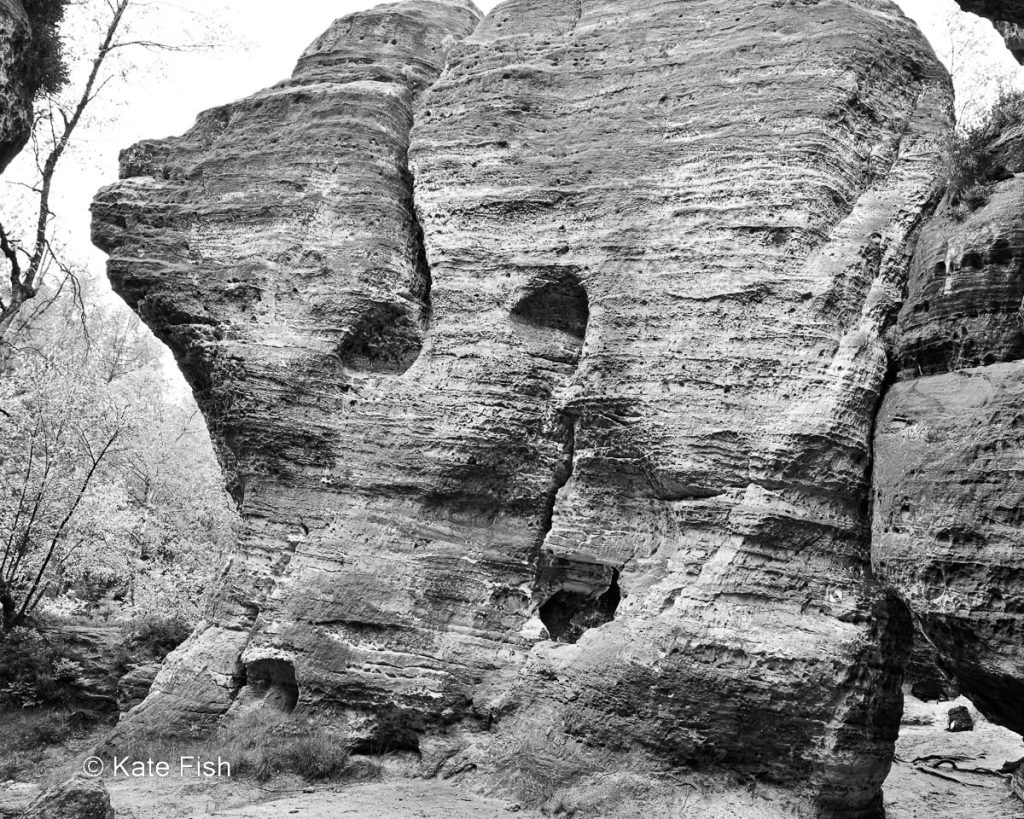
x=385 y=799
x=972 y=758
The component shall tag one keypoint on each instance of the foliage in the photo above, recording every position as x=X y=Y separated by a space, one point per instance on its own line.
x=264 y=745
x=32 y=670
x=45 y=69
x=159 y=635
x=29 y=736
x=109 y=490
x=261 y=744
x=974 y=164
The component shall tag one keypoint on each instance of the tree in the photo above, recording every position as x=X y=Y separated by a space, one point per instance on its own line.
x=109 y=489
x=54 y=125
x=28 y=251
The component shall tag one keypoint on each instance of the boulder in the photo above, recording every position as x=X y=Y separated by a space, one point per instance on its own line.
x=543 y=356
x=960 y=719
x=77 y=798
x=133 y=687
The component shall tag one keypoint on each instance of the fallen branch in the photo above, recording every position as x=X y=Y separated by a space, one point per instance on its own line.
x=947 y=777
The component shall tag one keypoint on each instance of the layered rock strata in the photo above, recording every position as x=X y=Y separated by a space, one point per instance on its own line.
x=947 y=481
x=550 y=424
x=15 y=97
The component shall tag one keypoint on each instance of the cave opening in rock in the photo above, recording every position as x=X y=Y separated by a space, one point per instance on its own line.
x=552 y=318
x=272 y=681
x=385 y=340
x=972 y=260
x=568 y=614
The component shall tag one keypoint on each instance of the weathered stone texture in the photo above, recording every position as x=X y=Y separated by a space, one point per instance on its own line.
x=949 y=500
x=15 y=99
x=966 y=286
x=575 y=456
x=1013 y=33
x=947 y=491
x=75 y=798
x=1009 y=10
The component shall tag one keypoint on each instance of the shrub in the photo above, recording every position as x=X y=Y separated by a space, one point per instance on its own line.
x=264 y=745
x=974 y=165
x=159 y=635
x=32 y=670
x=29 y=736
x=44 y=67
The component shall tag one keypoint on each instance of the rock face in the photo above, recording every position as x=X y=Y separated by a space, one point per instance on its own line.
x=948 y=490
x=133 y=687
x=78 y=797
x=15 y=98
x=544 y=365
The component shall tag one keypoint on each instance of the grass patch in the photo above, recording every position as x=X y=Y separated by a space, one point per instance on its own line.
x=264 y=744
x=29 y=737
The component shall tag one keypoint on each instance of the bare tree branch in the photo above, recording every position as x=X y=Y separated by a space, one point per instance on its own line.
x=25 y=283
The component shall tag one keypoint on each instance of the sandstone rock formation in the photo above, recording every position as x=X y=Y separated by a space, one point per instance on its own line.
x=947 y=488
x=15 y=98
x=544 y=366
x=75 y=798
x=133 y=687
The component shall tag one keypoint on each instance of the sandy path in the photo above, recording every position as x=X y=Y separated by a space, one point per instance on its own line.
x=388 y=799
x=911 y=793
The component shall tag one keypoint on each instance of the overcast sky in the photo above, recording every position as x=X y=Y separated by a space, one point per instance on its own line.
x=257 y=43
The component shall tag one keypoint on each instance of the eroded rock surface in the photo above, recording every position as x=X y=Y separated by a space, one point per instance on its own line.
x=948 y=488
x=78 y=797
x=15 y=97
x=552 y=444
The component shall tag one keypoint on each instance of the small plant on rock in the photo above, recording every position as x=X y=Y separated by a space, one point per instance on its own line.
x=975 y=165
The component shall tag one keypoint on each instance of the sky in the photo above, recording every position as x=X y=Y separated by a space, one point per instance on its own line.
x=255 y=43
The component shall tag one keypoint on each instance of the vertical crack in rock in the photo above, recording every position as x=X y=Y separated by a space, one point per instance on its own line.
x=426 y=279
x=550 y=317
x=388 y=337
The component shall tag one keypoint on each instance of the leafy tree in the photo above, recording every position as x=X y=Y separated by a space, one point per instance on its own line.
x=109 y=489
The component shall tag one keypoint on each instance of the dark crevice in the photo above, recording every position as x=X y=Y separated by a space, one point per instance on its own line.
x=426 y=278
x=388 y=337
x=567 y=615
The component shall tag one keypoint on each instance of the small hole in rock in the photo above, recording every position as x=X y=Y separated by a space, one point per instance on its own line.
x=1001 y=252
x=972 y=260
